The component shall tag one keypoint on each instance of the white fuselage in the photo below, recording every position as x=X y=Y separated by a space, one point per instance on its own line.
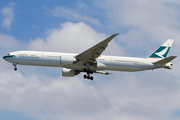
x=55 y=59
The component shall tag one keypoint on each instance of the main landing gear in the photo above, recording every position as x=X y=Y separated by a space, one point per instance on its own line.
x=15 y=66
x=88 y=71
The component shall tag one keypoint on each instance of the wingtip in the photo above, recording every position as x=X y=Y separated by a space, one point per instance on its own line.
x=116 y=34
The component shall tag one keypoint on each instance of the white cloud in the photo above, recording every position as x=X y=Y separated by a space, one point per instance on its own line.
x=73 y=38
x=148 y=23
x=46 y=97
x=9 y=44
x=133 y=96
x=8 y=15
x=144 y=95
x=142 y=14
x=72 y=14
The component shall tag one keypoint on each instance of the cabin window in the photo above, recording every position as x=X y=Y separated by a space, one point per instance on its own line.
x=118 y=60
x=53 y=56
x=125 y=61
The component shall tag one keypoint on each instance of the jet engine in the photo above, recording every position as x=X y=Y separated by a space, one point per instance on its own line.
x=69 y=72
x=67 y=60
x=101 y=66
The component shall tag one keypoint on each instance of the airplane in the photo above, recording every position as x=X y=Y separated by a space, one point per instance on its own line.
x=91 y=61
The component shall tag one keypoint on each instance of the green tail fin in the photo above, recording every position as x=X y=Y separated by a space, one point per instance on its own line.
x=163 y=50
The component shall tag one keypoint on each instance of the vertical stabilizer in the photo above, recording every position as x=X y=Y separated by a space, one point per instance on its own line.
x=163 y=50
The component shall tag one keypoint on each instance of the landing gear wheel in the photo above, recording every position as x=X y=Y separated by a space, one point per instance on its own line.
x=88 y=71
x=84 y=70
x=15 y=68
x=91 y=71
x=85 y=76
x=88 y=77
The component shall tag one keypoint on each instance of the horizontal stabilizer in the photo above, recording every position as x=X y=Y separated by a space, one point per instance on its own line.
x=165 y=60
x=167 y=68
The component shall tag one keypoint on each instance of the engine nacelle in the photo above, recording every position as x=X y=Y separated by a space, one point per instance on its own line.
x=67 y=60
x=101 y=66
x=69 y=72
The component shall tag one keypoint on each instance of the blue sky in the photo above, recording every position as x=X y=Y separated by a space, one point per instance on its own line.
x=41 y=93
x=34 y=16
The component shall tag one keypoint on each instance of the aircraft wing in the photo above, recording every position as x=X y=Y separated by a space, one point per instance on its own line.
x=95 y=51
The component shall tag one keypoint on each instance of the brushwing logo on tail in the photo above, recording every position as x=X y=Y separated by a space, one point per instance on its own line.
x=163 y=53
x=163 y=50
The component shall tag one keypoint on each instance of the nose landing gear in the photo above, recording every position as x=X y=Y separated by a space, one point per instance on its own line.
x=88 y=71
x=15 y=66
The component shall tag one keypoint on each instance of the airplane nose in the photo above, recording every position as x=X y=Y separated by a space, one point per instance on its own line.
x=8 y=57
x=4 y=57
